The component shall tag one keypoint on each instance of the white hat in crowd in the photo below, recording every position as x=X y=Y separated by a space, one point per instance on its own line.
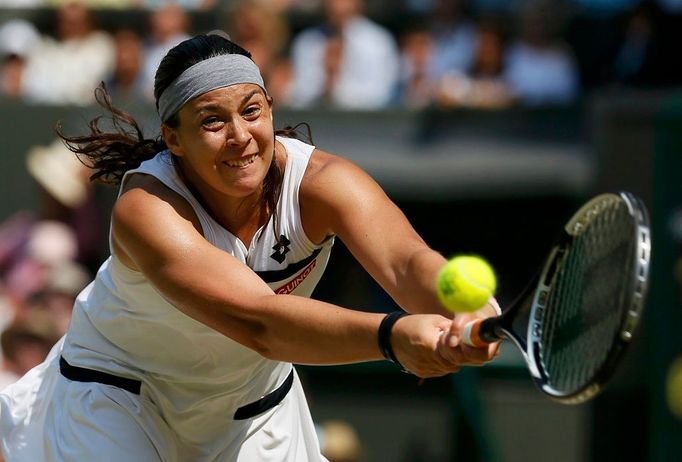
x=59 y=171
x=18 y=37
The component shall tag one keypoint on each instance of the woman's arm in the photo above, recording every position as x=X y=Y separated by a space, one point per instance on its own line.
x=340 y=198
x=156 y=232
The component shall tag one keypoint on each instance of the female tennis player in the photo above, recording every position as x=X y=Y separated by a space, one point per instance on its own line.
x=182 y=347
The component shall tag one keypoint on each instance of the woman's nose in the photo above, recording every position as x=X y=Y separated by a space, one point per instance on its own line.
x=239 y=133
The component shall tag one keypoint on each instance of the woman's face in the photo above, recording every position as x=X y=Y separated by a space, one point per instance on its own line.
x=225 y=140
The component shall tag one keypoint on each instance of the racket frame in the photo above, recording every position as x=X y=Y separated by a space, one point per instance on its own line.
x=534 y=298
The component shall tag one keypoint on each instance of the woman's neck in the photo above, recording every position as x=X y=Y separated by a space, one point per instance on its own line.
x=241 y=216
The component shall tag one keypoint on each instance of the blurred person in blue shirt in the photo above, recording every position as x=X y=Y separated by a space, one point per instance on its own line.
x=454 y=39
x=362 y=55
x=539 y=67
x=484 y=87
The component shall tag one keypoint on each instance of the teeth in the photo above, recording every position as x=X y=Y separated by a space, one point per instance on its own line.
x=242 y=162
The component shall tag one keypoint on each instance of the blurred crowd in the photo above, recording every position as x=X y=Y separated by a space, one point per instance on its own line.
x=47 y=257
x=335 y=54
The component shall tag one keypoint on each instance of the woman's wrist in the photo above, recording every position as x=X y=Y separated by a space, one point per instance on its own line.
x=384 y=336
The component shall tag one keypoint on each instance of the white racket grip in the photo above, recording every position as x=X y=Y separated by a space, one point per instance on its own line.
x=470 y=334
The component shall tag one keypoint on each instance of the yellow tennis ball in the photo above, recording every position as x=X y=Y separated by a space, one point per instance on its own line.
x=465 y=283
x=673 y=387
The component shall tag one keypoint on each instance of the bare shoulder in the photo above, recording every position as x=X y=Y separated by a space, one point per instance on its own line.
x=326 y=172
x=144 y=196
x=146 y=213
x=321 y=163
x=333 y=189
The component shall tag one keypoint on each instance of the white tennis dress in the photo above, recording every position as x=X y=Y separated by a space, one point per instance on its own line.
x=191 y=380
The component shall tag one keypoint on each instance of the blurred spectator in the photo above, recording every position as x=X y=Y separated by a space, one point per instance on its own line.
x=14 y=233
x=169 y=26
x=63 y=282
x=25 y=344
x=264 y=32
x=454 y=39
x=67 y=70
x=339 y=441
x=640 y=59
x=39 y=281
x=332 y=65
x=196 y=5
x=363 y=54
x=540 y=68
x=21 y=3
x=68 y=196
x=127 y=82
x=631 y=59
x=298 y=6
x=417 y=87
x=484 y=87
x=49 y=244
x=18 y=39
x=95 y=4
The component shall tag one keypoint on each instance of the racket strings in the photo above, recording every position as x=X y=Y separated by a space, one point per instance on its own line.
x=583 y=313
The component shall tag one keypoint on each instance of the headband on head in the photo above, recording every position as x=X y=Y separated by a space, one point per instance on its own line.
x=204 y=76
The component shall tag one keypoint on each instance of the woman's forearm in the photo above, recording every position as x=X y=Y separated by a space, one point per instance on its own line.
x=304 y=331
x=416 y=286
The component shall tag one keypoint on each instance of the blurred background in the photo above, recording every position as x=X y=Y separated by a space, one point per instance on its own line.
x=488 y=121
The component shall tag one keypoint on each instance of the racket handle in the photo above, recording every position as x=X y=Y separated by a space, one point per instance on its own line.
x=480 y=332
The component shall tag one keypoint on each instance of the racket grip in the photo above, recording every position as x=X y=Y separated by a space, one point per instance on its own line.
x=479 y=333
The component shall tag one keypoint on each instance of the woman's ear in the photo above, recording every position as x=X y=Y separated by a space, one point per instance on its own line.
x=171 y=138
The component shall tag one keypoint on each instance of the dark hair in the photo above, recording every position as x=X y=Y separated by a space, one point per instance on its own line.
x=187 y=54
x=111 y=153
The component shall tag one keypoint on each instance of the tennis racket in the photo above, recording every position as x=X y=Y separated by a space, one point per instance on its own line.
x=575 y=320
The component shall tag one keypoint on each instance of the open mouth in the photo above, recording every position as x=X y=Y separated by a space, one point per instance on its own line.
x=241 y=162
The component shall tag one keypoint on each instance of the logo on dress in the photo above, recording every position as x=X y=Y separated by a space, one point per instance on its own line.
x=297 y=280
x=281 y=249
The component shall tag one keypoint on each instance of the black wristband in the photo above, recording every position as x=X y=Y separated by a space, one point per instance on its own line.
x=385 y=336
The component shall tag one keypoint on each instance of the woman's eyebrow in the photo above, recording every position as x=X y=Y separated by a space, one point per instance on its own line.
x=249 y=95
x=213 y=106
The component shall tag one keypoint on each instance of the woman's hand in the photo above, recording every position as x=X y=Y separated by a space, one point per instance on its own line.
x=415 y=340
x=472 y=356
x=430 y=345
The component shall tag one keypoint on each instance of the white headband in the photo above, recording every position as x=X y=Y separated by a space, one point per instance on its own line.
x=204 y=76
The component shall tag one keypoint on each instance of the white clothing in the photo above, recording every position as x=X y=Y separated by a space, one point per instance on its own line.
x=21 y=3
x=67 y=72
x=17 y=37
x=370 y=67
x=193 y=378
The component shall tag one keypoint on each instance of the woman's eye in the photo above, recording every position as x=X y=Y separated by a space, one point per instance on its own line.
x=210 y=121
x=252 y=111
